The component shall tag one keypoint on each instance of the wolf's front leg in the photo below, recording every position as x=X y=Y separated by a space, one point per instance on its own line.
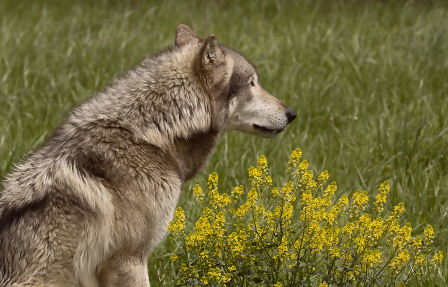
x=124 y=272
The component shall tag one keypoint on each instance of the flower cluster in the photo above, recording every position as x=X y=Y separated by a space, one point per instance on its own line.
x=298 y=235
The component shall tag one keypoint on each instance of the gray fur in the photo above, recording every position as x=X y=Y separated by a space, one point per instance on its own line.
x=88 y=206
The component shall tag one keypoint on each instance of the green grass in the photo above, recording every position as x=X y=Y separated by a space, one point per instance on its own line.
x=368 y=80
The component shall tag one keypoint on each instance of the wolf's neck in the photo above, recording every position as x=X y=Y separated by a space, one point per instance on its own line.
x=192 y=153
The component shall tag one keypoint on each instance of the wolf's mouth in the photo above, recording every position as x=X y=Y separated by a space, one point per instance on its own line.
x=266 y=130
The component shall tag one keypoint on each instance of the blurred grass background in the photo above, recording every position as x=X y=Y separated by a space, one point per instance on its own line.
x=368 y=79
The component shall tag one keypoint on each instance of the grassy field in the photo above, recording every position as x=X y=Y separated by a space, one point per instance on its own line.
x=368 y=79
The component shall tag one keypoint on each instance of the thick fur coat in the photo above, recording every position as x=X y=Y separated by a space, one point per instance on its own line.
x=87 y=207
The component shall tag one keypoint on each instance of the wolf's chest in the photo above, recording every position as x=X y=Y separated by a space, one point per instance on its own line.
x=142 y=218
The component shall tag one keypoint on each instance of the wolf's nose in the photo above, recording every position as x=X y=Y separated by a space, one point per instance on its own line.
x=291 y=114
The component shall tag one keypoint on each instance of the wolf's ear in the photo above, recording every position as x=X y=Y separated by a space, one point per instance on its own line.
x=211 y=53
x=184 y=35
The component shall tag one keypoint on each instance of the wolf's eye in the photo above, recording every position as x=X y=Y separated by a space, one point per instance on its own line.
x=252 y=84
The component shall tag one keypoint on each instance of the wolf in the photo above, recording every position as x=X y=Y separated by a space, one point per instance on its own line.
x=88 y=206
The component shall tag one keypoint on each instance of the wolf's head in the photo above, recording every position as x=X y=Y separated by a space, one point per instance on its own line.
x=238 y=101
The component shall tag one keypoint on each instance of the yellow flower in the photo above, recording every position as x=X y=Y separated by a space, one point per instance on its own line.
x=287 y=190
x=429 y=233
x=242 y=210
x=323 y=177
x=398 y=210
x=203 y=230
x=417 y=243
x=287 y=212
x=255 y=174
x=212 y=183
x=371 y=257
x=226 y=278
x=278 y=284
x=344 y=200
x=329 y=192
x=282 y=248
x=359 y=202
x=214 y=274
x=267 y=181
x=252 y=195
x=307 y=179
x=307 y=197
x=237 y=242
x=334 y=251
x=404 y=236
x=420 y=259
x=219 y=224
x=400 y=260
x=294 y=160
x=262 y=164
x=204 y=280
x=438 y=257
x=237 y=191
x=178 y=224
x=197 y=191
x=221 y=200
x=274 y=191
x=382 y=196
x=338 y=231
x=204 y=254
x=349 y=228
